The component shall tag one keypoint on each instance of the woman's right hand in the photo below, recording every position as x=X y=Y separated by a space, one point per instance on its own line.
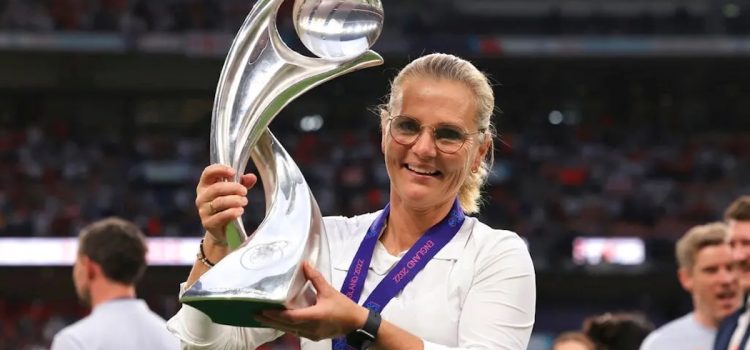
x=219 y=201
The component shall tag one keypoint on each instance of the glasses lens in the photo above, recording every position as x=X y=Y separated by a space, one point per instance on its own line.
x=405 y=130
x=449 y=139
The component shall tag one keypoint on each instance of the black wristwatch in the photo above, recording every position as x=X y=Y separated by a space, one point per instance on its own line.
x=363 y=338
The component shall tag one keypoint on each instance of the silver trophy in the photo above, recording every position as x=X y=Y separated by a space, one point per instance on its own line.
x=261 y=75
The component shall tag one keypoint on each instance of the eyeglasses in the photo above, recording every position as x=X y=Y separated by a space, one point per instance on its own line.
x=448 y=138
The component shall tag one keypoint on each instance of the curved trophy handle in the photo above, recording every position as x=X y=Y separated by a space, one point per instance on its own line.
x=248 y=99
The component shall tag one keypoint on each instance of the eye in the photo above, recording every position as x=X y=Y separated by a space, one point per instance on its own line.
x=446 y=133
x=407 y=126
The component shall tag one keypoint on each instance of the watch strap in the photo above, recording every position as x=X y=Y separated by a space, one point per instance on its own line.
x=362 y=338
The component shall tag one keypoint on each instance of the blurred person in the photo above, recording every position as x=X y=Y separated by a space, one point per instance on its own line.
x=475 y=288
x=617 y=331
x=573 y=341
x=706 y=271
x=111 y=260
x=733 y=332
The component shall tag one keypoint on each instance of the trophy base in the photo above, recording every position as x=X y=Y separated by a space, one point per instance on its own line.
x=241 y=311
x=233 y=312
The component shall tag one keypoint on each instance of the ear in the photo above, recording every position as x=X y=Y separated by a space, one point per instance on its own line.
x=483 y=149
x=686 y=279
x=91 y=268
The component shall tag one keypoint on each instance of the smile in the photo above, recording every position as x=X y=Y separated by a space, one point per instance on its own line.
x=422 y=171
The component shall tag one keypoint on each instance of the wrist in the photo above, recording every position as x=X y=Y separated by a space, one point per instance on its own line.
x=215 y=239
x=212 y=250
x=364 y=336
x=359 y=318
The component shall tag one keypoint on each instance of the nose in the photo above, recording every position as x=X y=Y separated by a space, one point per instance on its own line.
x=727 y=276
x=424 y=146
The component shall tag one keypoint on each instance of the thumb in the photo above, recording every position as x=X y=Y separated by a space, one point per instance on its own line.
x=248 y=180
x=320 y=283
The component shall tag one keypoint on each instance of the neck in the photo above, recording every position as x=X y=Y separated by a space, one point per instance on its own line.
x=110 y=291
x=705 y=320
x=407 y=224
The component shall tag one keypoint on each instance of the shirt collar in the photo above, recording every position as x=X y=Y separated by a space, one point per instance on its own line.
x=451 y=251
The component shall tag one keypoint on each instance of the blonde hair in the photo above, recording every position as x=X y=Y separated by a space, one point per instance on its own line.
x=697 y=238
x=448 y=67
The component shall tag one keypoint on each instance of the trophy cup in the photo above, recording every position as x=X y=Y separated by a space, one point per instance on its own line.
x=261 y=75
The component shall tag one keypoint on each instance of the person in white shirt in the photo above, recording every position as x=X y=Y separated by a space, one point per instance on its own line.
x=706 y=271
x=477 y=291
x=734 y=331
x=111 y=259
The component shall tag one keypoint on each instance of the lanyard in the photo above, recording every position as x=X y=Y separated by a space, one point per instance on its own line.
x=413 y=261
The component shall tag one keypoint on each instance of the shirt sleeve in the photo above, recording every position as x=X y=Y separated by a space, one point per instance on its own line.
x=649 y=342
x=196 y=331
x=498 y=312
x=65 y=341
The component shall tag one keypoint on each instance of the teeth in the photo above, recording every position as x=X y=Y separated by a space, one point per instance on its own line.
x=421 y=170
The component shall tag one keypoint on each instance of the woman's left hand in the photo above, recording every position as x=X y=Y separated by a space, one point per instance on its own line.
x=333 y=314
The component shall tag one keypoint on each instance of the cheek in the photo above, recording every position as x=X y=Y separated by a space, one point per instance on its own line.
x=458 y=166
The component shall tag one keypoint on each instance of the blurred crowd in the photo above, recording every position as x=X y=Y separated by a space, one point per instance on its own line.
x=122 y=15
x=411 y=17
x=550 y=184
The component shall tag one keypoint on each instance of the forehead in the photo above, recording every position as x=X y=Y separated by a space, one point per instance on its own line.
x=713 y=255
x=739 y=229
x=433 y=101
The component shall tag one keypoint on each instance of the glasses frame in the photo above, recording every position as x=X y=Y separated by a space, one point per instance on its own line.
x=467 y=135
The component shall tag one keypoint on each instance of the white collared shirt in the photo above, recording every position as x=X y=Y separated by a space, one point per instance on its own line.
x=117 y=324
x=477 y=292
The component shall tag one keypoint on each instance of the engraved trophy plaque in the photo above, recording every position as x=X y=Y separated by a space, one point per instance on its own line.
x=261 y=75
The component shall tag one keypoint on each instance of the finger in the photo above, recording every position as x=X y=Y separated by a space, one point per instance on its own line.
x=283 y=317
x=209 y=193
x=249 y=180
x=223 y=203
x=215 y=173
x=294 y=317
x=282 y=326
x=217 y=222
x=271 y=324
x=317 y=279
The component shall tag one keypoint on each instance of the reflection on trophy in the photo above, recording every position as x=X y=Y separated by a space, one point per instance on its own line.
x=261 y=75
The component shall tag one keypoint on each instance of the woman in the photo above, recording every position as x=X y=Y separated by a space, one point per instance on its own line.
x=475 y=287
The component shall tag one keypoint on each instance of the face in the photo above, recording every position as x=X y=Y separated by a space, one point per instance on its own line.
x=713 y=283
x=570 y=345
x=739 y=239
x=422 y=176
x=81 y=280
